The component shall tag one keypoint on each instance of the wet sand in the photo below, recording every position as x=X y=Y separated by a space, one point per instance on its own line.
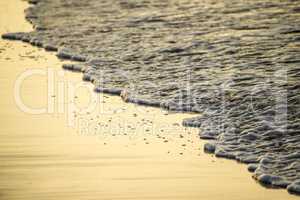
x=117 y=151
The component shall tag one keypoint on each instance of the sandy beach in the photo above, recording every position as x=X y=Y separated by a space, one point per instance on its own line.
x=110 y=150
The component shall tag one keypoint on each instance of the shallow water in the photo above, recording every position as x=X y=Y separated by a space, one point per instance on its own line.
x=235 y=62
x=65 y=153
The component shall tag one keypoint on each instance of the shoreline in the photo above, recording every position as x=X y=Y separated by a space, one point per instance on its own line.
x=264 y=179
x=113 y=91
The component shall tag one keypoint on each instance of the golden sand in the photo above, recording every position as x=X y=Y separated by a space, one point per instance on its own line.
x=115 y=150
